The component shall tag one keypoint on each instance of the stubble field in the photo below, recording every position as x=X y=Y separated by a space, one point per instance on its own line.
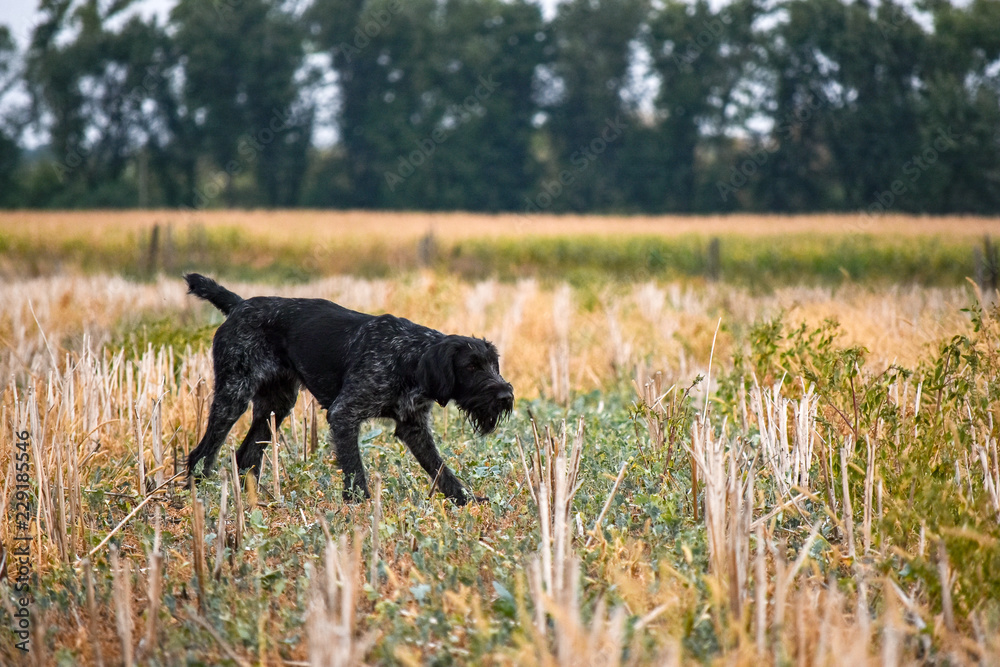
x=777 y=449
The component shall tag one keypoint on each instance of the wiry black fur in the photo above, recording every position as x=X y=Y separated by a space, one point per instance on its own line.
x=357 y=366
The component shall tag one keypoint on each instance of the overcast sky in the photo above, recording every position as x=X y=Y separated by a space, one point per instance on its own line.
x=19 y=15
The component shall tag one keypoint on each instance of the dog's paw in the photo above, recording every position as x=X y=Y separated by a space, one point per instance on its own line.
x=467 y=497
x=356 y=495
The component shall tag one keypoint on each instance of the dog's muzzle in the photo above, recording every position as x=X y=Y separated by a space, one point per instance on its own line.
x=489 y=408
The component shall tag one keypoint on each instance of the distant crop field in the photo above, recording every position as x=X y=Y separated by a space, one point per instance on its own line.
x=762 y=251
x=279 y=225
x=701 y=467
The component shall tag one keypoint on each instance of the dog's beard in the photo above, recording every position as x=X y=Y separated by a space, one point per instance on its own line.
x=486 y=412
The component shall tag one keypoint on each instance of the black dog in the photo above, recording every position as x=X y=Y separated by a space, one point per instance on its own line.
x=357 y=366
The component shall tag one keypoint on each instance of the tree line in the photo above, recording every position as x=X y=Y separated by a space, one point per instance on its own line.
x=490 y=105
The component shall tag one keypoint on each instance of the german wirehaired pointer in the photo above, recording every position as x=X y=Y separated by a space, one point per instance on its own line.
x=357 y=366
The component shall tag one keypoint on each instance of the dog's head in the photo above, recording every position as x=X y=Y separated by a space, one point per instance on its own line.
x=467 y=370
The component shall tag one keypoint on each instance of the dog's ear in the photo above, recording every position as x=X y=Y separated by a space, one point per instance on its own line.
x=436 y=372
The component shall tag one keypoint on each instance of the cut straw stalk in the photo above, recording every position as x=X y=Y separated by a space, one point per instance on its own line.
x=29 y=412
x=313 y=432
x=740 y=491
x=728 y=512
x=376 y=521
x=760 y=592
x=986 y=454
x=140 y=452
x=92 y=623
x=237 y=503
x=554 y=572
x=275 y=476
x=870 y=474
x=155 y=587
x=650 y=391
x=220 y=532
x=709 y=456
x=122 y=594
x=552 y=481
x=788 y=458
x=156 y=429
x=198 y=539
x=63 y=533
x=891 y=632
x=944 y=573
x=848 y=517
x=607 y=505
x=333 y=597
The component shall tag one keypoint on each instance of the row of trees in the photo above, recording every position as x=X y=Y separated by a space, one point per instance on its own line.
x=609 y=105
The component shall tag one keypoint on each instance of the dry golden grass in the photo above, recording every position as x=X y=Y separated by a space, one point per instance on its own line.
x=63 y=340
x=667 y=327
x=762 y=251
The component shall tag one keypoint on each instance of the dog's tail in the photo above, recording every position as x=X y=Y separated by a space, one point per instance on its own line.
x=213 y=292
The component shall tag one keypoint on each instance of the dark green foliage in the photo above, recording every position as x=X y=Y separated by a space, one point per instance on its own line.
x=240 y=63
x=10 y=153
x=607 y=106
x=437 y=101
x=583 y=94
x=98 y=86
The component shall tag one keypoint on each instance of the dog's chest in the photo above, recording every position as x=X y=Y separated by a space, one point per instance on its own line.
x=411 y=403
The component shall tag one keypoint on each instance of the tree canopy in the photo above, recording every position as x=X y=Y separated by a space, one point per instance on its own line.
x=492 y=105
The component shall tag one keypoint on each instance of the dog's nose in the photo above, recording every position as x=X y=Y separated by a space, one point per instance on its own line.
x=506 y=394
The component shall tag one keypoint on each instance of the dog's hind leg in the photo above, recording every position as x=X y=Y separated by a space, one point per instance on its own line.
x=417 y=436
x=230 y=401
x=277 y=396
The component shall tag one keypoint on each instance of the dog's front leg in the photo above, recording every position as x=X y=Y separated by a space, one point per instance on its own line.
x=345 y=425
x=416 y=434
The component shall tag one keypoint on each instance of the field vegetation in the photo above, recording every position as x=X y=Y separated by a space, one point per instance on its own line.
x=697 y=470
x=756 y=250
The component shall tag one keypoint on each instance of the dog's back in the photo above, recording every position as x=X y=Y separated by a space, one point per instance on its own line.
x=309 y=338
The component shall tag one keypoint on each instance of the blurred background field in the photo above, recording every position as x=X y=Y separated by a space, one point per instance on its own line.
x=760 y=251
